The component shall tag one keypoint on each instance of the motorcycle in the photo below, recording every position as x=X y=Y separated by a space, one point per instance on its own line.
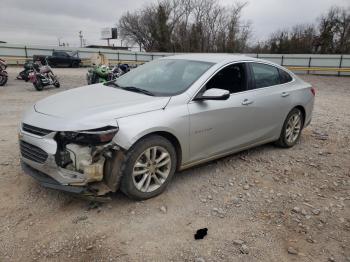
x=28 y=68
x=102 y=73
x=3 y=72
x=42 y=75
x=119 y=70
x=124 y=68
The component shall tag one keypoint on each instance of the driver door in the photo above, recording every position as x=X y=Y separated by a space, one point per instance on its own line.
x=219 y=126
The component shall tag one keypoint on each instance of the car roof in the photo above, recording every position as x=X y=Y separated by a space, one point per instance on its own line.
x=213 y=58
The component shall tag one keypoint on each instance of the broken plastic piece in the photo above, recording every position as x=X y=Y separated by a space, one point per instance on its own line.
x=201 y=233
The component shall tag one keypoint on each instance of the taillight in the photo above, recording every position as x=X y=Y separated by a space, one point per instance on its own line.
x=313 y=91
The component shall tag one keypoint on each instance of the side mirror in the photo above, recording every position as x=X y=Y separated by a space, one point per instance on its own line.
x=213 y=94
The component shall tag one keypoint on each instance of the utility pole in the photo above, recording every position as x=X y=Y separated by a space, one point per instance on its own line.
x=59 y=41
x=81 y=38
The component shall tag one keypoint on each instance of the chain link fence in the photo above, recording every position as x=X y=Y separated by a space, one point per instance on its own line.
x=299 y=63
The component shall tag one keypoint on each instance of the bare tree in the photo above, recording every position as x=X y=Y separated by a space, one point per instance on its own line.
x=330 y=36
x=186 y=26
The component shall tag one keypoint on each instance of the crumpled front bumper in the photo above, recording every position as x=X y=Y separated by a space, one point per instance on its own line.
x=49 y=166
x=49 y=182
x=85 y=192
x=49 y=174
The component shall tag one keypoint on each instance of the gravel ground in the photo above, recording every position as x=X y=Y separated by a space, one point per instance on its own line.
x=263 y=204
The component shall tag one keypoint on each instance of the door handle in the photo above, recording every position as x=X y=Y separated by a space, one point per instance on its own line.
x=246 y=102
x=284 y=94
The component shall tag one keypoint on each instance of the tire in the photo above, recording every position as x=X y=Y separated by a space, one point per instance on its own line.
x=38 y=85
x=75 y=64
x=137 y=154
x=94 y=79
x=3 y=80
x=56 y=83
x=287 y=138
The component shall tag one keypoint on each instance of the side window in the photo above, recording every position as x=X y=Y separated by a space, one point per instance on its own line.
x=232 y=78
x=284 y=76
x=60 y=54
x=265 y=75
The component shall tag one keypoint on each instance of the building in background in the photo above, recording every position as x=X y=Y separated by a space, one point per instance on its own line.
x=112 y=47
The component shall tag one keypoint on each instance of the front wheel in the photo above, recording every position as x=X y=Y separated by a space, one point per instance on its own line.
x=3 y=80
x=291 y=129
x=38 y=85
x=148 y=168
x=56 y=83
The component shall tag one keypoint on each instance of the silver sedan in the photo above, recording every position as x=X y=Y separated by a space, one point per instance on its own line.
x=166 y=115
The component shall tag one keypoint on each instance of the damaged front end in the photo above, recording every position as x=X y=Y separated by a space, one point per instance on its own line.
x=83 y=162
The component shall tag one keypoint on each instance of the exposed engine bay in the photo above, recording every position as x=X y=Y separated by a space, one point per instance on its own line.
x=87 y=153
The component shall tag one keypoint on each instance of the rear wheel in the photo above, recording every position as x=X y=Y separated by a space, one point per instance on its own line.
x=75 y=64
x=148 y=168
x=291 y=129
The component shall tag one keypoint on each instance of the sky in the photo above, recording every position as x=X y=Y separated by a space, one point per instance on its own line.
x=46 y=22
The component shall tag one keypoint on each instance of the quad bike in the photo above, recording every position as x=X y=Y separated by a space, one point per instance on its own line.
x=28 y=68
x=102 y=73
x=99 y=74
x=42 y=76
x=3 y=73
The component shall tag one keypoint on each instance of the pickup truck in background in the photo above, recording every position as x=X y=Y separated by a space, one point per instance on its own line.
x=60 y=59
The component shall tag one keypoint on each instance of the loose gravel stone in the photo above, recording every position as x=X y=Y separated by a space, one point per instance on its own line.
x=244 y=249
x=316 y=211
x=163 y=209
x=292 y=251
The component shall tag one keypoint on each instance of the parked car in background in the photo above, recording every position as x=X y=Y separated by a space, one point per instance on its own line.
x=135 y=132
x=60 y=59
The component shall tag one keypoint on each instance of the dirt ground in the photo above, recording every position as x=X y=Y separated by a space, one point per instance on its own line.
x=263 y=204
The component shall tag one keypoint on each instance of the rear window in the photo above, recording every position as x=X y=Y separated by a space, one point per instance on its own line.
x=284 y=76
x=265 y=75
x=59 y=54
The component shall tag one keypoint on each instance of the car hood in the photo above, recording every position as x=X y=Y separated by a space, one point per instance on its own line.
x=95 y=105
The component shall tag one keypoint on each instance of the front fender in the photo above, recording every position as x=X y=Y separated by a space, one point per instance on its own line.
x=173 y=120
x=4 y=73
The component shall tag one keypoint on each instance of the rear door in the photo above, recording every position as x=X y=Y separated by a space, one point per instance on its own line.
x=270 y=101
x=61 y=58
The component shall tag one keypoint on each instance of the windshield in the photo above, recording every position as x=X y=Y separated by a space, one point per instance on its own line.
x=164 y=77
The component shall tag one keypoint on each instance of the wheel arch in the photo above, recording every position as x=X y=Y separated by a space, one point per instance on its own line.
x=172 y=139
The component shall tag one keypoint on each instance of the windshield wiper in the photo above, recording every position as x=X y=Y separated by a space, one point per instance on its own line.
x=113 y=83
x=137 y=89
x=129 y=88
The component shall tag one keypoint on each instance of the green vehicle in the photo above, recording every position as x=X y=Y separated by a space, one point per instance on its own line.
x=99 y=74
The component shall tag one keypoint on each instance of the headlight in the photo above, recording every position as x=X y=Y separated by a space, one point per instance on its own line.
x=92 y=136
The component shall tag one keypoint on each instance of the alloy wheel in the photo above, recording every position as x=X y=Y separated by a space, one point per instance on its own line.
x=293 y=127
x=151 y=169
